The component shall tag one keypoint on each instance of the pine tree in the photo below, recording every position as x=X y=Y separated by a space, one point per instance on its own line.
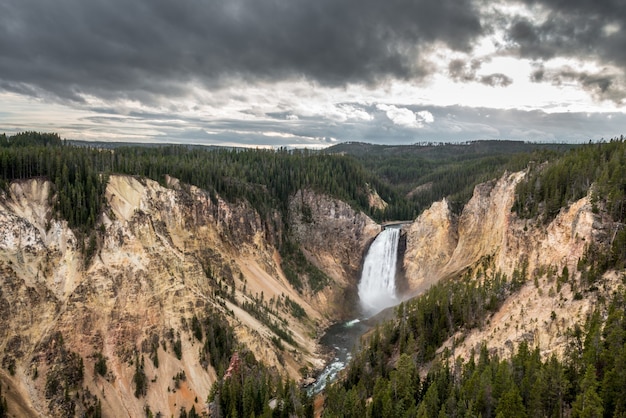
x=3 y=405
x=139 y=378
x=430 y=404
x=552 y=386
x=588 y=403
x=510 y=404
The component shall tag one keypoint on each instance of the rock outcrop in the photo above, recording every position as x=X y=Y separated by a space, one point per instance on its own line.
x=430 y=243
x=334 y=237
x=441 y=244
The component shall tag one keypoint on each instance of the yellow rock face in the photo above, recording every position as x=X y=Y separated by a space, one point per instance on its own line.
x=442 y=245
x=162 y=254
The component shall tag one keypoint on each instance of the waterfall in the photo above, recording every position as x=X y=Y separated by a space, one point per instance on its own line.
x=377 y=291
x=377 y=288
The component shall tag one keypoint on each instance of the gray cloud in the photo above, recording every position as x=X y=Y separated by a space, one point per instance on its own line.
x=148 y=48
x=602 y=85
x=462 y=71
x=496 y=80
x=538 y=74
x=576 y=29
x=450 y=123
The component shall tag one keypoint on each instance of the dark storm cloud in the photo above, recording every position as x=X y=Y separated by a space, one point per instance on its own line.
x=464 y=71
x=155 y=47
x=577 y=29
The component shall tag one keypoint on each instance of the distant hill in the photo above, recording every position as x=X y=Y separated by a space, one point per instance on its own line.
x=464 y=150
x=426 y=173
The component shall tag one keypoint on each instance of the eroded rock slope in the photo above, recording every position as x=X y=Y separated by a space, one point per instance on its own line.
x=140 y=293
x=488 y=236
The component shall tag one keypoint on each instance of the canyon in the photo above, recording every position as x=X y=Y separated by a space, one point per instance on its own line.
x=164 y=254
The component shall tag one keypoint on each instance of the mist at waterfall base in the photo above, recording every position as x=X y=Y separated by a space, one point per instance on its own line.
x=377 y=291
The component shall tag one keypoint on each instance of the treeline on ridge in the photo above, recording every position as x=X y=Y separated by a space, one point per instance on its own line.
x=428 y=172
x=408 y=178
x=265 y=178
x=599 y=168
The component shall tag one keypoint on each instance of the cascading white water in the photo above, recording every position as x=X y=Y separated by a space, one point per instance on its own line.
x=377 y=291
x=377 y=288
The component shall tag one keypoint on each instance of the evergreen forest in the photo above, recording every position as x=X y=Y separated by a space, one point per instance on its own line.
x=426 y=173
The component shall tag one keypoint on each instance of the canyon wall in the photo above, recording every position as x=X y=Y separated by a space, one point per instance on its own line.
x=162 y=258
x=334 y=237
x=165 y=258
x=488 y=236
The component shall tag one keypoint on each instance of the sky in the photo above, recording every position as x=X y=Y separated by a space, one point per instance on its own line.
x=313 y=73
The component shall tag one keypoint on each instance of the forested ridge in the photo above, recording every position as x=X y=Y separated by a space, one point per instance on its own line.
x=267 y=178
x=598 y=169
x=550 y=187
x=428 y=172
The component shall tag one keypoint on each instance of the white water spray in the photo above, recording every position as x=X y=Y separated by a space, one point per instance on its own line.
x=377 y=288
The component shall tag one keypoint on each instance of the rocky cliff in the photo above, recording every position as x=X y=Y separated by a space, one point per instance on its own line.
x=335 y=238
x=430 y=242
x=488 y=235
x=85 y=319
x=442 y=244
